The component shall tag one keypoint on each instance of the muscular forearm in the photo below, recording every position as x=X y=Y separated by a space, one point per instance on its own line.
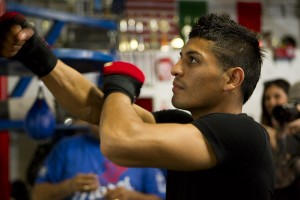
x=20 y=41
x=47 y=191
x=75 y=93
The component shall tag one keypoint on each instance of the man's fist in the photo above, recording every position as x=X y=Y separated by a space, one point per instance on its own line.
x=122 y=77
x=34 y=52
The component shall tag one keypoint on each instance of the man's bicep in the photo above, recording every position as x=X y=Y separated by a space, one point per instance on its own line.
x=169 y=145
x=188 y=148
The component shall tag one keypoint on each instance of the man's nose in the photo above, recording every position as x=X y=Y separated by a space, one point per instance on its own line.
x=177 y=69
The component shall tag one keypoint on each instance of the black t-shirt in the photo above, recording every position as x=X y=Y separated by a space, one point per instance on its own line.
x=245 y=167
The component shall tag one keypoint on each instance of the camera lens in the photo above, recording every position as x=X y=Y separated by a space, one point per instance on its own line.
x=285 y=113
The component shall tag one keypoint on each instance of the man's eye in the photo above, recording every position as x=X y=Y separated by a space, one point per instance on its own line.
x=192 y=60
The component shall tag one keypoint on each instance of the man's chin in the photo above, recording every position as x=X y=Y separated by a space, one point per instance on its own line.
x=177 y=104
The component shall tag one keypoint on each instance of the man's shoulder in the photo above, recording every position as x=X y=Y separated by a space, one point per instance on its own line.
x=228 y=117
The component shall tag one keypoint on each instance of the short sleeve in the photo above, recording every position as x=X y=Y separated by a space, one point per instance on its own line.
x=233 y=137
x=172 y=116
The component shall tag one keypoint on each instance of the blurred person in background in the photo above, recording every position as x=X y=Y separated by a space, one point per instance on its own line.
x=76 y=169
x=283 y=137
x=275 y=92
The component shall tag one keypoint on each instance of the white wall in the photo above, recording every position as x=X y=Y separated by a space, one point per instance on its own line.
x=278 y=17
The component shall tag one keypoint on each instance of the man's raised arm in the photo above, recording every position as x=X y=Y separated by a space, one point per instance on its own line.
x=77 y=95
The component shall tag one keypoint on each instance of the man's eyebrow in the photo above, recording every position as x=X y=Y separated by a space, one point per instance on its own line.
x=190 y=52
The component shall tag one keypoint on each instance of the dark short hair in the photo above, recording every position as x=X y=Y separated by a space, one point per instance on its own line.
x=234 y=46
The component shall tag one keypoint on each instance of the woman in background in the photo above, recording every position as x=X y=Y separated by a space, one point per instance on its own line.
x=286 y=148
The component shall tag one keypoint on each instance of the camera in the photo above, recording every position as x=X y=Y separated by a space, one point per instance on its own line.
x=286 y=113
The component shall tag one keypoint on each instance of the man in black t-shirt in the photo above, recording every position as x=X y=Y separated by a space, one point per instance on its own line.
x=244 y=169
x=215 y=152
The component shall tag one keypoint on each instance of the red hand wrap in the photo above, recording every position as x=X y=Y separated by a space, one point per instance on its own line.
x=13 y=17
x=125 y=69
x=122 y=77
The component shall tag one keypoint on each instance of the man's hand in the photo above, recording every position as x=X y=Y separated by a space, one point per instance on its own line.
x=122 y=77
x=12 y=35
x=20 y=41
x=84 y=182
x=65 y=188
x=294 y=126
x=118 y=193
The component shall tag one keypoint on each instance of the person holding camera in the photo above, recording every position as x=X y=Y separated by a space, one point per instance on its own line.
x=294 y=98
x=280 y=118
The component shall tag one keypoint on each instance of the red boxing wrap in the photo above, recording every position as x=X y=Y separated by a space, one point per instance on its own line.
x=12 y=16
x=124 y=68
x=122 y=77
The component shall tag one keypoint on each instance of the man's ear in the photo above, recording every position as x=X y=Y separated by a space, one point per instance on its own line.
x=234 y=78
